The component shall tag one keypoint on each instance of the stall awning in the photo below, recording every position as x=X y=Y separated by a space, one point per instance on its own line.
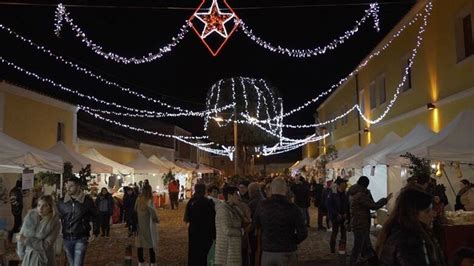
x=15 y=154
x=78 y=160
x=117 y=168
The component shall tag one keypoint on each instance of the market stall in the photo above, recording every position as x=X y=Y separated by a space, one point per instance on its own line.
x=78 y=160
x=451 y=152
x=119 y=170
x=144 y=169
x=458 y=231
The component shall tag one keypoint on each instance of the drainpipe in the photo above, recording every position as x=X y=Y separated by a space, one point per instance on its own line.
x=358 y=117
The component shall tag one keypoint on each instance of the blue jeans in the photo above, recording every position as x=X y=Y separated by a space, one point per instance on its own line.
x=75 y=251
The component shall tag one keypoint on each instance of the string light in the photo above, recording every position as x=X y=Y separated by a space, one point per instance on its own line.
x=373 y=12
x=62 y=16
x=159 y=114
x=285 y=144
x=354 y=72
x=89 y=111
x=88 y=71
x=419 y=40
x=149 y=132
x=214 y=21
x=145 y=113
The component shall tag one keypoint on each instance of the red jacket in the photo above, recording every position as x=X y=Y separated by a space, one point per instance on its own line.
x=173 y=187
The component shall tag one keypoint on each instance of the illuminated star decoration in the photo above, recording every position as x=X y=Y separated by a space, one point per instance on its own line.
x=214 y=20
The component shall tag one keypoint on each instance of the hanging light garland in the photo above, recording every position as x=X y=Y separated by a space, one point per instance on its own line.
x=284 y=145
x=93 y=98
x=354 y=72
x=159 y=114
x=62 y=16
x=373 y=12
x=214 y=20
x=89 y=72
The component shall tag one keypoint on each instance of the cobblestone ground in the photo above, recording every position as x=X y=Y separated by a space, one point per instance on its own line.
x=172 y=248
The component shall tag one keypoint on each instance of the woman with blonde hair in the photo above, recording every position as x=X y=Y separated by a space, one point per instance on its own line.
x=147 y=235
x=38 y=234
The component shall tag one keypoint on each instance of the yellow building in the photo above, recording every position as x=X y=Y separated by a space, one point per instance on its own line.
x=36 y=119
x=442 y=75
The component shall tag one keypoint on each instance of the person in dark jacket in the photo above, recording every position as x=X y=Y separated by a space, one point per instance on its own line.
x=105 y=205
x=318 y=196
x=338 y=209
x=406 y=238
x=282 y=226
x=323 y=209
x=76 y=211
x=361 y=202
x=16 y=202
x=300 y=189
x=256 y=198
x=200 y=215
x=129 y=200
x=244 y=191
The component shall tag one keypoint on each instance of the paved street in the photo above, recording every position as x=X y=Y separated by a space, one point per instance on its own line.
x=173 y=244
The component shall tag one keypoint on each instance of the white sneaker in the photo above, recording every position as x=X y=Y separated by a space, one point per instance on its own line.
x=329 y=230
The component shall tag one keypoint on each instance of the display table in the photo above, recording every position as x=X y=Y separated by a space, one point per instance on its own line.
x=455 y=237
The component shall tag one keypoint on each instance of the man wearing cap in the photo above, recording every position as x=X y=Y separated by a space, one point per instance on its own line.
x=338 y=208
x=361 y=202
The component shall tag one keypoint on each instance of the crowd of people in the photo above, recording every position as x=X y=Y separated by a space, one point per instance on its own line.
x=257 y=223
x=262 y=223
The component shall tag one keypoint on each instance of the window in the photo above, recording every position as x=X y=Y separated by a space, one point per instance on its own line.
x=60 y=132
x=408 y=83
x=373 y=95
x=467 y=35
x=464 y=36
x=381 y=89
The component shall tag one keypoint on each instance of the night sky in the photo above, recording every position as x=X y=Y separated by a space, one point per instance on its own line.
x=184 y=75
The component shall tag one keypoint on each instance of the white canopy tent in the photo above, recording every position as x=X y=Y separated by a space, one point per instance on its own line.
x=185 y=165
x=300 y=164
x=181 y=174
x=142 y=165
x=173 y=165
x=347 y=153
x=204 y=169
x=117 y=168
x=158 y=162
x=78 y=160
x=416 y=136
x=388 y=176
x=145 y=169
x=16 y=155
x=357 y=160
x=453 y=143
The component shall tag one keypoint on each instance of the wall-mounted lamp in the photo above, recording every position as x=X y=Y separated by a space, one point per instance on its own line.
x=430 y=106
x=366 y=130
